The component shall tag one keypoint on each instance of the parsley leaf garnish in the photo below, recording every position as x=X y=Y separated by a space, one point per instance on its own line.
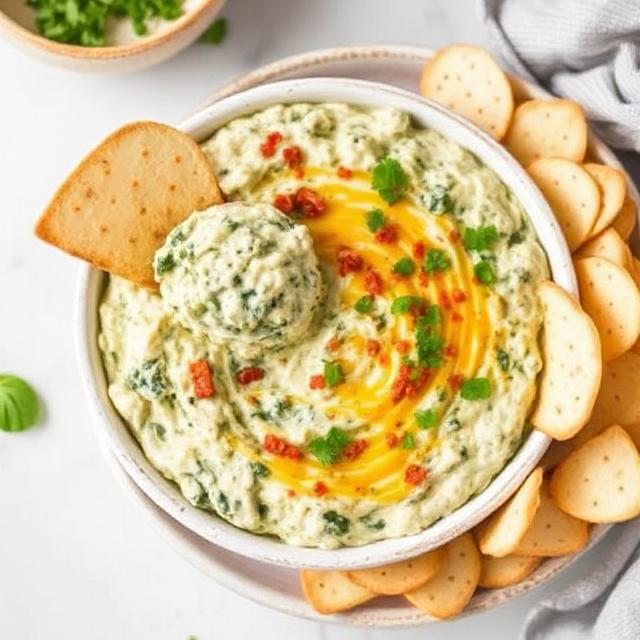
x=426 y=419
x=333 y=373
x=375 y=220
x=484 y=272
x=429 y=345
x=436 y=260
x=475 y=389
x=408 y=441
x=328 y=449
x=217 y=32
x=441 y=201
x=364 y=304
x=479 y=238
x=405 y=304
x=433 y=315
x=404 y=266
x=19 y=406
x=389 y=180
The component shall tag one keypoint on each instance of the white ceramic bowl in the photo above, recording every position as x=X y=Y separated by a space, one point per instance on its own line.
x=128 y=52
x=266 y=549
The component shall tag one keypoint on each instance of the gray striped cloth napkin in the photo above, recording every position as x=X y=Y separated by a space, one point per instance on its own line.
x=587 y=50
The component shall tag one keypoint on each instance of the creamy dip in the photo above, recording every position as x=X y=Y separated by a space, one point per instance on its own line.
x=353 y=370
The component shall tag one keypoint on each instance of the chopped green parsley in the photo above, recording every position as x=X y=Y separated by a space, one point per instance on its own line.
x=364 y=304
x=426 y=419
x=333 y=373
x=479 y=238
x=436 y=260
x=484 y=272
x=476 y=389
x=375 y=220
x=389 y=180
x=404 y=266
x=328 y=449
x=441 y=201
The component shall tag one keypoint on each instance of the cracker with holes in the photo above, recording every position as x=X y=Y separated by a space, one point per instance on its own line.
x=611 y=297
x=448 y=592
x=467 y=80
x=500 y=534
x=600 y=481
x=119 y=204
x=400 y=577
x=572 y=372
x=613 y=189
x=553 y=532
x=551 y=128
x=332 y=591
x=497 y=573
x=618 y=402
x=608 y=245
x=572 y=194
x=625 y=221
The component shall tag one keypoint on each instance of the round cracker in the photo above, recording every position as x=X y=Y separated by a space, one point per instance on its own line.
x=625 y=221
x=572 y=194
x=572 y=365
x=618 y=402
x=553 y=532
x=613 y=189
x=610 y=296
x=500 y=534
x=608 y=245
x=448 y=592
x=467 y=80
x=600 y=481
x=547 y=129
x=497 y=573
x=400 y=577
x=332 y=591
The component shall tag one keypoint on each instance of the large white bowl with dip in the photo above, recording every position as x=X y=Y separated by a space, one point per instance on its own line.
x=267 y=549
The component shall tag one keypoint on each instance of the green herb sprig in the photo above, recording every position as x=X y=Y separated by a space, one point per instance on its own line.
x=19 y=406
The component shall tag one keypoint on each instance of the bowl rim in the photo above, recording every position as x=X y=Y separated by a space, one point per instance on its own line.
x=111 y=52
x=267 y=549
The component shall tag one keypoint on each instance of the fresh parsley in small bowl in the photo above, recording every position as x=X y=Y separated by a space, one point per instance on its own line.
x=110 y=35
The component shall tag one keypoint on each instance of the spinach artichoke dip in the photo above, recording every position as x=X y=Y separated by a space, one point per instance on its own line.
x=347 y=350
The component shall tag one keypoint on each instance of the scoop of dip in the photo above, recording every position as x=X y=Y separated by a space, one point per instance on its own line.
x=242 y=273
x=389 y=401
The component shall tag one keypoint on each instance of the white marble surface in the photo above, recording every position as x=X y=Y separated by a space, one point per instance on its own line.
x=76 y=559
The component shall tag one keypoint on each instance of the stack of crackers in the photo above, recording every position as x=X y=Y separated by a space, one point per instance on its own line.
x=589 y=399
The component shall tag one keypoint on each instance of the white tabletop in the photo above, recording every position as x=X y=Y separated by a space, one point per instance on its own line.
x=76 y=558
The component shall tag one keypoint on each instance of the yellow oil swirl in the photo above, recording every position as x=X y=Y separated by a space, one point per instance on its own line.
x=379 y=472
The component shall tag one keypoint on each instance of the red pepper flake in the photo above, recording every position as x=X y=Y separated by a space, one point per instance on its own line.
x=415 y=474
x=344 y=173
x=298 y=173
x=284 y=202
x=423 y=279
x=455 y=381
x=202 y=382
x=310 y=202
x=292 y=156
x=384 y=359
x=451 y=350
x=445 y=302
x=348 y=261
x=459 y=295
x=268 y=147
x=320 y=489
x=454 y=236
x=410 y=381
x=373 y=348
x=419 y=249
x=291 y=493
x=392 y=440
x=387 y=234
x=354 y=449
x=317 y=382
x=373 y=283
x=403 y=346
x=456 y=317
x=334 y=344
x=280 y=447
x=250 y=374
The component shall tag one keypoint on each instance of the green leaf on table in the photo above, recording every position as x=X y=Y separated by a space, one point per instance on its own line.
x=19 y=406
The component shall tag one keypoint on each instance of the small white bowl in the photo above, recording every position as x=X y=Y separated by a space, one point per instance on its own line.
x=266 y=549
x=129 y=53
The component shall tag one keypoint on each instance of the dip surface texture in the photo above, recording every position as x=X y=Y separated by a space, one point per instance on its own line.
x=353 y=370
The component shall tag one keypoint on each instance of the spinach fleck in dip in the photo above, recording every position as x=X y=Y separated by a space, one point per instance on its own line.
x=345 y=352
